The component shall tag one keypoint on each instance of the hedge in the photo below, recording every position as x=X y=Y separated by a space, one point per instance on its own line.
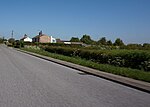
x=137 y=59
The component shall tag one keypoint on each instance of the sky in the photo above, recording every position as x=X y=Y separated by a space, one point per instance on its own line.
x=125 y=19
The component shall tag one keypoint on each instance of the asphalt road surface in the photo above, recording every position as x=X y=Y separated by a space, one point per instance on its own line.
x=27 y=81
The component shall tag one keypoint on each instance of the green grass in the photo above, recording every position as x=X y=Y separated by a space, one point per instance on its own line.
x=126 y=72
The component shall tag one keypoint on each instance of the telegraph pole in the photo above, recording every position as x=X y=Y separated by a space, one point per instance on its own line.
x=12 y=34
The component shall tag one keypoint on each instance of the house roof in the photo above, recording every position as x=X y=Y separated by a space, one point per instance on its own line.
x=25 y=36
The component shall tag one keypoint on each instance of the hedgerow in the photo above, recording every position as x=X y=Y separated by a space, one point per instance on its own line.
x=137 y=59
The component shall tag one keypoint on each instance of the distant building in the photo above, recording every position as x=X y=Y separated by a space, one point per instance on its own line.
x=53 y=40
x=63 y=41
x=58 y=41
x=42 y=38
x=68 y=42
x=26 y=39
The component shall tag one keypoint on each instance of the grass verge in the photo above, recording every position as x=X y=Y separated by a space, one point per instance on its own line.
x=126 y=72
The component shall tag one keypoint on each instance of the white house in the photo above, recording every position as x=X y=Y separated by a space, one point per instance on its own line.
x=53 y=40
x=26 y=39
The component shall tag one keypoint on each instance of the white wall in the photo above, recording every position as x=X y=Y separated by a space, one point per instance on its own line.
x=53 y=40
x=27 y=39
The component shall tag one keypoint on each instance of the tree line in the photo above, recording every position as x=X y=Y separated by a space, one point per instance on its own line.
x=103 y=41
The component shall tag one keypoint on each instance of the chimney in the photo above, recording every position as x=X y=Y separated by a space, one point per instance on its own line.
x=40 y=33
x=25 y=35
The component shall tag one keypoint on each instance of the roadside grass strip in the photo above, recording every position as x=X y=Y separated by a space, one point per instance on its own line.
x=126 y=72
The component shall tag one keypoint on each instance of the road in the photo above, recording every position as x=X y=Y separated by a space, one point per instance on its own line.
x=28 y=81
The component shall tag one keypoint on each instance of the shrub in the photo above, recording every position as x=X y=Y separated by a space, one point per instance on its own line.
x=137 y=59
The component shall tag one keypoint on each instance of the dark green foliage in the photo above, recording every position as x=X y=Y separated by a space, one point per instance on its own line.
x=123 y=58
x=134 y=46
x=118 y=42
x=21 y=44
x=51 y=44
x=86 y=39
x=102 y=41
x=18 y=44
x=1 y=40
x=137 y=59
x=74 y=39
x=146 y=46
x=109 y=42
x=11 y=40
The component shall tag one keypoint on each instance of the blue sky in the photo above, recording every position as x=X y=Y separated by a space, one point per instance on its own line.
x=125 y=19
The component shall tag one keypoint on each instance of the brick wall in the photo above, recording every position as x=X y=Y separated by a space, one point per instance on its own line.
x=45 y=39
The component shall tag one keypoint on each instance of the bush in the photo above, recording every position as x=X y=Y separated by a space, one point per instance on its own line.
x=137 y=59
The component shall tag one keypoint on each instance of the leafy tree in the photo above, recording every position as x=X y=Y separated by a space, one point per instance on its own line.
x=11 y=40
x=109 y=43
x=134 y=46
x=118 y=42
x=146 y=45
x=86 y=39
x=4 y=39
x=1 y=40
x=102 y=41
x=18 y=44
x=74 y=39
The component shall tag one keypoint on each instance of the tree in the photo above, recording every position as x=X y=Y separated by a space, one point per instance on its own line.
x=1 y=40
x=102 y=41
x=134 y=46
x=11 y=40
x=118 y=42
x=146 y=46
x=109 y=43
x=86 y=39
x=74 y=39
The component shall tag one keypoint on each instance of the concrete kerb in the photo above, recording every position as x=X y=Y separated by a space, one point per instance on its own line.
x=136 y=84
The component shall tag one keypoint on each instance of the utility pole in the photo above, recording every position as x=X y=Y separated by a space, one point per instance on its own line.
x=12 y=34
